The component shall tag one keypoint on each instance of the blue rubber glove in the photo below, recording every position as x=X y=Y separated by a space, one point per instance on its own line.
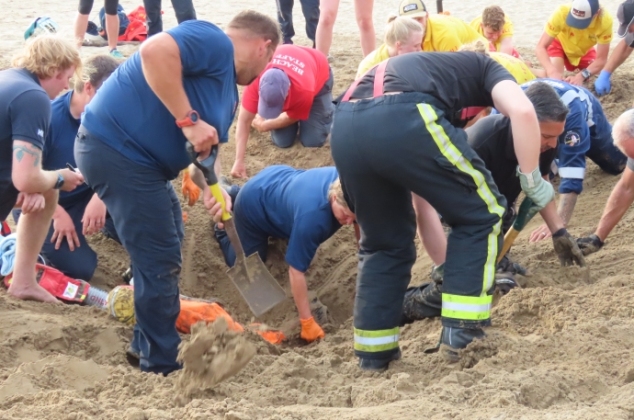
x=535 y=188
x=602 y=84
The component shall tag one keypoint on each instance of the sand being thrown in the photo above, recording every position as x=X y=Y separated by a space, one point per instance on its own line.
x=213 y=354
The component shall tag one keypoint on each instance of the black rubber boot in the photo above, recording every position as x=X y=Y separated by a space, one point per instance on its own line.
x=424 y=301
x=453 y=339
x=378 y=365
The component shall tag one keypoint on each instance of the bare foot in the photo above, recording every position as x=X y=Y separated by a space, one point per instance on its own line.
x=35 y=292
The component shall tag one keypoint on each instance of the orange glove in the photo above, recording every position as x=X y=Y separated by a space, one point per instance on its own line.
x=311 y=330
x=190 y=190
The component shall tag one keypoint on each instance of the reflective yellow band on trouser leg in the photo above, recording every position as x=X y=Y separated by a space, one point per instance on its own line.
x=468 y=308
x=455 y=156
x=376 y=341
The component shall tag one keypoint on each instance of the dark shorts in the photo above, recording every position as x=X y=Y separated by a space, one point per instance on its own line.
x=8 y=198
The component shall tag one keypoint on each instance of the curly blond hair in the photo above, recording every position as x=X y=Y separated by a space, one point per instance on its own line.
x=45 y=55
x=477 y=46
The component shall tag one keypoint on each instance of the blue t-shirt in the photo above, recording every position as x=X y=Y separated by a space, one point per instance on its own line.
x=292 y=204
x=127 y=115
x=25 y=114
x=59 y=144
x=586 y=125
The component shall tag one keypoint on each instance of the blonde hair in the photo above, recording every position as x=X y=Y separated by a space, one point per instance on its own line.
x=45 y=55
x=623 y=129
x=478 y=46
x=95 y=71
x=336 y=191
x=493 y=17
x=399 y=29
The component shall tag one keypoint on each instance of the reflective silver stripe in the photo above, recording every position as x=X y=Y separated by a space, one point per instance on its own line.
x=576 y=173
x=571 y=95
x=374 y=341
x=554 y=168
x=466 y=307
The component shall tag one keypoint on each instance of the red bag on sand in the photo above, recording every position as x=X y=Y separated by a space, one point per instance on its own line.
x=58 y=284
x=136 y=30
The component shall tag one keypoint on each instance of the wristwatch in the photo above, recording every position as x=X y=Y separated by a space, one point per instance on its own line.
x=60 y=181
x=190 y=119
x=586 y=74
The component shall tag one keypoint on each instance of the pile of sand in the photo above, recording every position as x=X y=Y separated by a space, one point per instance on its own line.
x=559 y=348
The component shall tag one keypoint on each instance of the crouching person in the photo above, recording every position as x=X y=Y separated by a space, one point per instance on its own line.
x=79 y=212
x=305 y=207
x=40 y=73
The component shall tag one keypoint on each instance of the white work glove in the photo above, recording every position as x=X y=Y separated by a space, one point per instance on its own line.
x=536 y=188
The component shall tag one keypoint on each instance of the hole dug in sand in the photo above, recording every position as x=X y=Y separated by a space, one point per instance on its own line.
x=213 y=354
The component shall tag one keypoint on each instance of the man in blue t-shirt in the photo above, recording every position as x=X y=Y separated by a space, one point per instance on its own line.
x=587 y=133
x=41 y=72
x=306 y=207
x=79 y=212
x=180 y=86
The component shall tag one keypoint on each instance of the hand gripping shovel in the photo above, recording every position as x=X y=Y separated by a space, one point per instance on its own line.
x=249 y=274
x=525 y=213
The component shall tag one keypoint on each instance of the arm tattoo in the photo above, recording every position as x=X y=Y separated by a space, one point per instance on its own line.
x=21 y=151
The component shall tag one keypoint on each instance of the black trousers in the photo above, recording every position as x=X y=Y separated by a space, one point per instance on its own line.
x=310 y=9
x=184 y=10
x=384 y=149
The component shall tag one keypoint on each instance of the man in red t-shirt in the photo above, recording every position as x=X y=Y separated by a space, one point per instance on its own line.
x=293 y=94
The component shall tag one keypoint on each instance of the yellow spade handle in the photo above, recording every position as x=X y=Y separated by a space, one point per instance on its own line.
x=217 y=193
x=509 y=238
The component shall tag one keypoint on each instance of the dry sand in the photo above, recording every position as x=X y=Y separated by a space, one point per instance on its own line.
x=559 y=349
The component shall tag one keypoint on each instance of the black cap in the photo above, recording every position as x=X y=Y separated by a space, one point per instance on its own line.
x=625 y=14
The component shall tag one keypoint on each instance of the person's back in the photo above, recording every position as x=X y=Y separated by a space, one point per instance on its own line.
x=127 y=93
x=291 y=201
x=20 y=92
x=447 y=33
x=515 y=66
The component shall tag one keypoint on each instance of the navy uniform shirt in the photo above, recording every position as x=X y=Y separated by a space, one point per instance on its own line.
x=127 y=115
x=287 y=203
x=59 y=144
x=25 y=114
x=586 y=126
x=492 y=139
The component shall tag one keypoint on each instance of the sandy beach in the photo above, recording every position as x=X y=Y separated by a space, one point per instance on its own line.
x=559 y=348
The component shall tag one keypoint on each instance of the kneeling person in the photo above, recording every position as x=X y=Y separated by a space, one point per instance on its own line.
x=293 y=94
x=304 y=206
x=79 y=212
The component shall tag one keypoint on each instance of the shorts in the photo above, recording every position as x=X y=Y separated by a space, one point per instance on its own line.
x=8 y=198
x=556 y=50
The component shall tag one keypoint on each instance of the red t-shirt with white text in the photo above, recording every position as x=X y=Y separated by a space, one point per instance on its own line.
x=308 y=71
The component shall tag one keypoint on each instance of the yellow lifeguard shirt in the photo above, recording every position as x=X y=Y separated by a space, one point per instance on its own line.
x=507 y=30
x=577 y=42
x=372 y=59
x=518 y=68
x=448 y=33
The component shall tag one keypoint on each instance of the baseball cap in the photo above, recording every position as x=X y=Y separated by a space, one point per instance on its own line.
x=625 y=14
x=274 y=85
x=581 y=13
x=412 y=8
